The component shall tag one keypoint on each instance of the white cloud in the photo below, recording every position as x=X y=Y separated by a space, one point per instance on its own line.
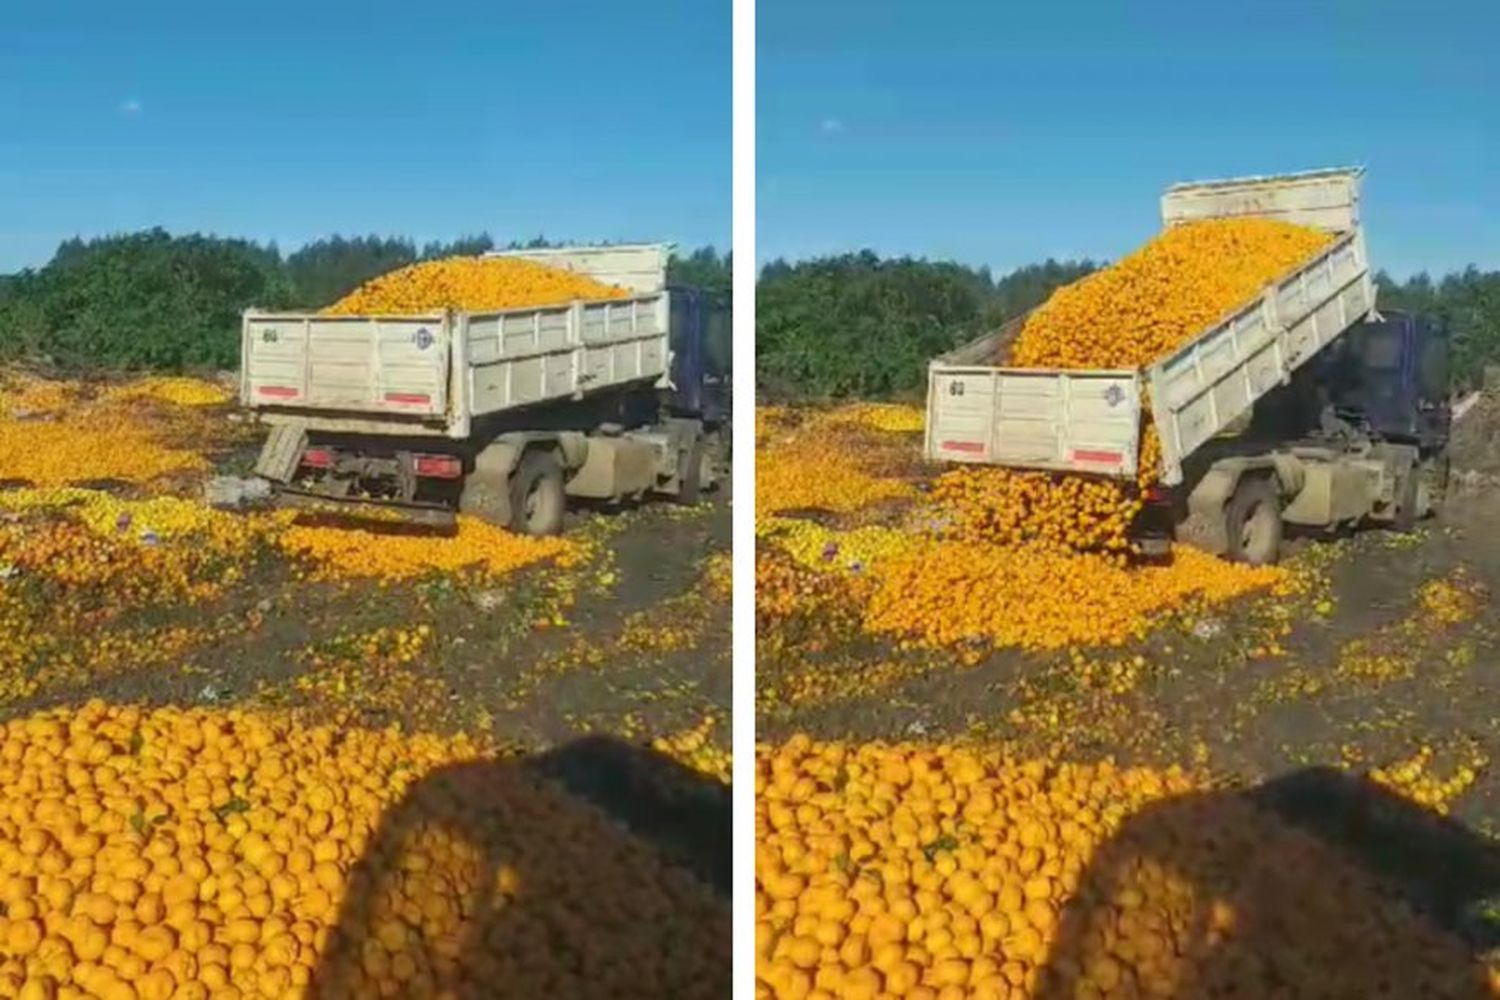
x=829 y=126
x=131 y=106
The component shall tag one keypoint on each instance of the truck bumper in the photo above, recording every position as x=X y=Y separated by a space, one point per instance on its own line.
x=381 y=511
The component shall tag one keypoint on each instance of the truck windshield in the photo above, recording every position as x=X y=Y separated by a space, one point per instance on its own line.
x=1381 y=350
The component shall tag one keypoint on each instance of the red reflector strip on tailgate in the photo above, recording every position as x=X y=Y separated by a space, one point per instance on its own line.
x=279 y=391
x=438 y=466
x=1100 y=457
x=962 y=446
x=408 y=398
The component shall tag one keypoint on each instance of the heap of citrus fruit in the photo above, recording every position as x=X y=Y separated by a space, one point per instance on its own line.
x=51 y=435
x=934 y=872
x=475 y=284
x=345 y=550
x=952 y=593
x=1124 y=316
x=193 y=853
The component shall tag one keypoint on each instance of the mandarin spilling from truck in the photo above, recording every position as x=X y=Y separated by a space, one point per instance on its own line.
x=976 y=564
x=1148 y=304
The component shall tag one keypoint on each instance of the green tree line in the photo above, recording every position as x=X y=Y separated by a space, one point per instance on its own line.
x=152 y=300
x=858 y=325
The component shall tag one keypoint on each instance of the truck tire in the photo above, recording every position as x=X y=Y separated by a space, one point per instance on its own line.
x=537 y=500
x=1434 y=477
x=1408 y=493
x=486 y=499
x=1253 y=522
x=695 y=473
x=486 y=489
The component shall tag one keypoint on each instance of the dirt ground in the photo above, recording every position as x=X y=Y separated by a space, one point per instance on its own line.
x=500 y=662
x=626 y=636
x=1358 y=672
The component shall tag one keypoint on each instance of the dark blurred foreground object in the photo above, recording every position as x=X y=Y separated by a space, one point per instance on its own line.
x=1318 y=884
x=570 y=874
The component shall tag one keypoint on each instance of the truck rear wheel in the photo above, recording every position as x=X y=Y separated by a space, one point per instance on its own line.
x=1253 y=522
x=696 y=471
x=486 y=489
x=1408 y=500
x=537 y=500
x=1434 y=483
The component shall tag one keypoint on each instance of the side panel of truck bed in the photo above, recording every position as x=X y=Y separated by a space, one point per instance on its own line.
x=524 y=357
x=1212 y=381
x=1034 y=418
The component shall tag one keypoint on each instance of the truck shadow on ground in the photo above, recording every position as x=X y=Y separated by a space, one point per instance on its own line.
x=599 y=869
x=1314 y=884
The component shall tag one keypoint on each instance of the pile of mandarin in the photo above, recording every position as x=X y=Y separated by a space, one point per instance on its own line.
x=169 y=853
x=1130 y=314
x=939 y=872
x=473 y=284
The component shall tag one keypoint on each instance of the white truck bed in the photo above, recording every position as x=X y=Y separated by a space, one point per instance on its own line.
x=1089 y=420
x=435 y=373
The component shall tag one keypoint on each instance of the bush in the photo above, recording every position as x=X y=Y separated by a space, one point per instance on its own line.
x=151 y=300
x=146 y=300
x=860 y=326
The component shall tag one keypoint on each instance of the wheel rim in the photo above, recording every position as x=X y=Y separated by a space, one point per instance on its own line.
x=1247 y=530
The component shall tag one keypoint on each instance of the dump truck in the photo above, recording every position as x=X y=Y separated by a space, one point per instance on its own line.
x=1301 y=406
x=504 y=415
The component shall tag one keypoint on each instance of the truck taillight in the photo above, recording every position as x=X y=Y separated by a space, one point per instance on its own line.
x=438 y=466
x=1093 y=456
x=408 y=398
x=318 y=458
x=1157 y=494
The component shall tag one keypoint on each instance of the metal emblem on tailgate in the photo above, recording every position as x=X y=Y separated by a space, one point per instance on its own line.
x=1114 y=395
x=422 y=338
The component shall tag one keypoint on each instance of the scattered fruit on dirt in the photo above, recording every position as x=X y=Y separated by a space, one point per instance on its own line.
x=55 y=433
x=212 y=850
x=342 y=551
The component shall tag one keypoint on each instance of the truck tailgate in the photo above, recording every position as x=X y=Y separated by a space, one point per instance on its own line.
x=1085 y=421
x=396 y=364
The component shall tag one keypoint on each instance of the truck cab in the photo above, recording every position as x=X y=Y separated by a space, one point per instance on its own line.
x=1358 y=435
x=700 y=346
x=1390 y=378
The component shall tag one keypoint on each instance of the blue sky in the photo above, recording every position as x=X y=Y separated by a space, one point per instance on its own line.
x=1002 y=133
x=580 y=120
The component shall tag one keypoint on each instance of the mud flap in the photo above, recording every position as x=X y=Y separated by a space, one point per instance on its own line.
x=282 y=452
